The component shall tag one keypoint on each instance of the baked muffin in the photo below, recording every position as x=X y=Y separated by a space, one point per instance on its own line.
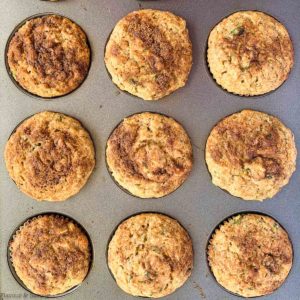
x=50 y=254
x=150 y=255
x=250 y=53
x=250 y=154
x=149 y=155
x=49 y=56
x=149 y=54
x=50 y=156
x=250 y=255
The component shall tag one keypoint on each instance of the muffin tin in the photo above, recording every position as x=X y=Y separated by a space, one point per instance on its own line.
x=198 y=205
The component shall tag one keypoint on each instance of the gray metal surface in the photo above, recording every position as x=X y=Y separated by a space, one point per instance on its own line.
x=198 y=205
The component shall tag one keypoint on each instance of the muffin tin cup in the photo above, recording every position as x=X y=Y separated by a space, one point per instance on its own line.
x=207 y=68
x=110 y=172
x=15 y=82
x=21 y=122
x=246 y=212
x=133 y=215
x=10 y=263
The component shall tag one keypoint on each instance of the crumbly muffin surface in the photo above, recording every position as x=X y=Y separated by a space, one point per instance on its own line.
x=150 y=255
x=149 y=154
x=50 y=156
x=250 y=154
x=49 y=56
x=250 y=53
x=50 y=254
x=250 y=255
x=149 y=53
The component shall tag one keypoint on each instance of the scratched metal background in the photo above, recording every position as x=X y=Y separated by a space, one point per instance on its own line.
x=198 y=205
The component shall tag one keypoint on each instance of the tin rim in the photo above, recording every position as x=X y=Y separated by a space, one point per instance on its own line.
x=245 y=212
x=13 y=271
x=12 y=34
x=137 y=214
x=208 y=71
x=110 y=172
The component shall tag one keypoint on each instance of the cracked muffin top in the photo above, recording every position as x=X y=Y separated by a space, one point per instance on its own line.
x=150 y=155
x=50 y=156
x=50 y=254
x=250 y=255
x=250 y=53
x=150 y=255
x=49 y=56
x=149 y=53
x=250 y=154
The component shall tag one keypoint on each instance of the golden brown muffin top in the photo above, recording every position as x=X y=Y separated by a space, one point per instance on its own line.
x=50 y=156
x=50 y=254
x=250 y=53
x=149 y=53
x=250 y=255
x=251 y=155
x=150 y=255
x=149 y=154
x=49 y=56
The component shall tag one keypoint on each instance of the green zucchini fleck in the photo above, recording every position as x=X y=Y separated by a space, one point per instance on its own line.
x=238 y=30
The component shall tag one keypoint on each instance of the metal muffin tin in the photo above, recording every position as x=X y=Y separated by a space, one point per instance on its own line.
x=198 y=205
